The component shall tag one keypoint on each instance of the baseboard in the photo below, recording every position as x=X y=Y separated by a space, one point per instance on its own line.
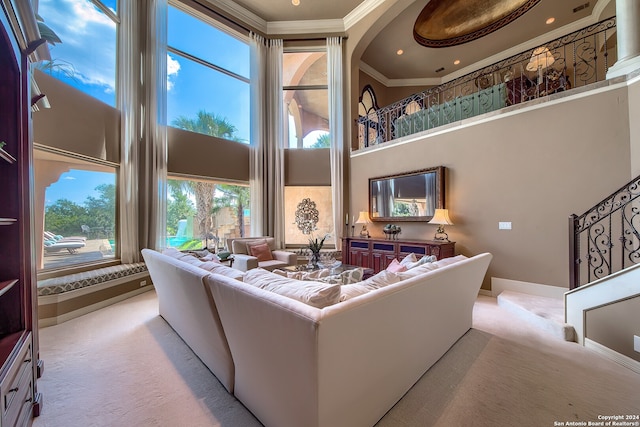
x=51 y=321
x=623 y=360
x=498 y=285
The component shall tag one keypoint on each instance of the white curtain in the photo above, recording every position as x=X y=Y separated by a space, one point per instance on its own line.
x=336 y=129
x=142 y=86
x=267 y=139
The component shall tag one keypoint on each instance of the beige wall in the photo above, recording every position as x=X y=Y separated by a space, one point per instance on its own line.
x=533 y=168
x=76 y=122
x=387 y=95
x=615 y=325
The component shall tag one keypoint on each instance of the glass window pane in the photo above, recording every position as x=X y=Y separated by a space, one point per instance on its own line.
x=308 y=112
x=304 y=69
x=86 y=56
x=321 y=197
x=79 y=211
x=194 y=89
x=111 y=4
x=202 y=213
x=197 y=38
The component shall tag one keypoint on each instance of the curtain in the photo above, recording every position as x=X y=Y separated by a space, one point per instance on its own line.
x=336 y=130
x=142 y=89
x=267 y=139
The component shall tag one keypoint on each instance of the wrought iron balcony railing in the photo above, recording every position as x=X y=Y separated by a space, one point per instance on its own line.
x=594 y=251
x=571 y=61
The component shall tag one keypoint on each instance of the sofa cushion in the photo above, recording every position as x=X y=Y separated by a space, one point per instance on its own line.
x=316 y=294
x=355 y=289
x=262 y=251
x=218 y=268
x=395 y=266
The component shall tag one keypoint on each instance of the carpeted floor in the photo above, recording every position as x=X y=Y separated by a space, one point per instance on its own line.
x=124 y=366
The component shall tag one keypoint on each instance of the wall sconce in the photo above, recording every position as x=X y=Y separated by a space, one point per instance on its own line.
x=363 y=218
x=441 y=218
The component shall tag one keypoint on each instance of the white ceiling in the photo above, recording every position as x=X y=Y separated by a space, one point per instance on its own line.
x=418 y=64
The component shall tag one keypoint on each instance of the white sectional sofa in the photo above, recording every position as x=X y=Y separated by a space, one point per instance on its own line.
x=292 y=364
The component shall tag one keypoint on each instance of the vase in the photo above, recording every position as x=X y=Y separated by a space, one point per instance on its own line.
x=315 y=258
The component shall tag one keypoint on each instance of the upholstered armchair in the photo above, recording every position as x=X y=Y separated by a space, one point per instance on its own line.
x=253 y=252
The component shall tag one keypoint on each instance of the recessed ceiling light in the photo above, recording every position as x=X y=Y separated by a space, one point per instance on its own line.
x=550 y=20
x=295 y=2
x=456 y=62
x=400 y=52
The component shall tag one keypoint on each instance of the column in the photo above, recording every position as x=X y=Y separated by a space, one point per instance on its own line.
x=628 y=32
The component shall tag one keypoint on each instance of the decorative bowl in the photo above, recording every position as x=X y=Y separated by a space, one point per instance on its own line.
x=223 y=255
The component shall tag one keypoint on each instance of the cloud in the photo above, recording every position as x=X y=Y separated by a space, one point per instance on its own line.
x=69 y=178
x=173 y=66
x=88 y=40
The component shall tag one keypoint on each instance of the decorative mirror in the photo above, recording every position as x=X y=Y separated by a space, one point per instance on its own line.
x=307 y=216
x=412 y=196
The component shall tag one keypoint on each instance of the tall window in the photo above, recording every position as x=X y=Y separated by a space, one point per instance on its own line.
x=204 y=213
x=208 y=78
x=82 y=40
x=306 y=99
x=79 y=210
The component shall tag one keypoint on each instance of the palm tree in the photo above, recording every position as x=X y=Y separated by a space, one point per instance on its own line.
x=323 y=141
x=235 y=196
x=214 y=125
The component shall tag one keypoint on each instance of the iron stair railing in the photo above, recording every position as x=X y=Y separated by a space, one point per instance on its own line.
x=574 y=60
x=594 y=251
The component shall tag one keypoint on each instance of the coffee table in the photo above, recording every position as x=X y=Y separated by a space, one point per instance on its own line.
x=368 y=272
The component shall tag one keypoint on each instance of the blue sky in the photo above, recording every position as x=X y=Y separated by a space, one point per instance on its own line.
x=77 y=185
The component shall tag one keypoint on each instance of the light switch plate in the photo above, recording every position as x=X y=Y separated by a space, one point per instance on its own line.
x=636 y=343
x=504 y=225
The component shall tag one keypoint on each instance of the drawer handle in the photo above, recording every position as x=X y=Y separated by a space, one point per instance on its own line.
x=27 y=360
x=28 y=400
x=13 y=390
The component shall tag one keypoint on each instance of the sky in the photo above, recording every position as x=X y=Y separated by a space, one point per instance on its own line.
x=88 y=50
x=87 y=53
x=76 y=185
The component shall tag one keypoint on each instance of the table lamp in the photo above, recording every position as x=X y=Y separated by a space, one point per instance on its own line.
x=441 y=218
x=363 y=218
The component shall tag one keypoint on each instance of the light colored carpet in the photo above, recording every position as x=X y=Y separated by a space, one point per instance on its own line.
x=124 y=366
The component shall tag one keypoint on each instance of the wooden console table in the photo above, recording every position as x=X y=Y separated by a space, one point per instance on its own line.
x=378 y=253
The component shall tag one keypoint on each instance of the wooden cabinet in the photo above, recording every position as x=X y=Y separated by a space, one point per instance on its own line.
x=378 y=253
x=18 y=331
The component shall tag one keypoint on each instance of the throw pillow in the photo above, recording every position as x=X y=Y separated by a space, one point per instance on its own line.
x=262 y=251
x=409 y=259
x=355 y=289
x=316 y=294
x=396 y=267
x=450 y=260
x=382 y=279
x=425 y=259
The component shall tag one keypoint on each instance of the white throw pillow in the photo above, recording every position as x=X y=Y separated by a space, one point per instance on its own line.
x=421 y=269
x=316 y=294
x=409 y=259
x=423 y=260
x=382 y=279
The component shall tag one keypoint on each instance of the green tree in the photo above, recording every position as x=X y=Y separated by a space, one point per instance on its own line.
x=179 y=206
x=237 y=197
x=213 y=125
x=65 y=217
x=208 y=124
x=102 y=210
x=323 y=141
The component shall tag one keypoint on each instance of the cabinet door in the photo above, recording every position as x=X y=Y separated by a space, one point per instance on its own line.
x=359 y=253
x=381 y=255
x=419 y=250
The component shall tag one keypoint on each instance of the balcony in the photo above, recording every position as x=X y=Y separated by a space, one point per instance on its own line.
x=567 y=63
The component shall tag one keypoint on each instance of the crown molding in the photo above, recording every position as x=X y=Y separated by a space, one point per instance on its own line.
x=305 y=27
x=427 y=81
x=357 y=14
x=242 y=14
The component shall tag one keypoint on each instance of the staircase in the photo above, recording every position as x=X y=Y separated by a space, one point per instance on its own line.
x=545 y=312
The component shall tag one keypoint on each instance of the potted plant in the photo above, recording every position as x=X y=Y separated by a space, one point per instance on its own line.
x=315 y=246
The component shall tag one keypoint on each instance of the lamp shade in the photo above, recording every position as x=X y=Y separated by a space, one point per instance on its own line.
x=363 y=218
x=441 y=216
x=541 y=58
